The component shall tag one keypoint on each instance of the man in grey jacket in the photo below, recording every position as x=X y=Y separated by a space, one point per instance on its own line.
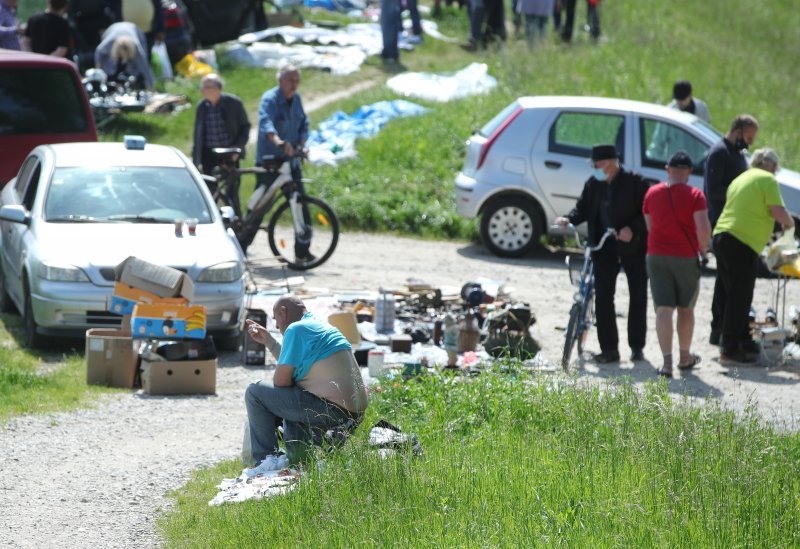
x=683 y=100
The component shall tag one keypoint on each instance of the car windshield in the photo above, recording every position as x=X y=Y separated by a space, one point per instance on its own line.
x=124 y=194
x=495 y=122
x=40 y=100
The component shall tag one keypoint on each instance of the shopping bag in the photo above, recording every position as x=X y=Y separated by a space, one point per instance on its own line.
x=160 y=61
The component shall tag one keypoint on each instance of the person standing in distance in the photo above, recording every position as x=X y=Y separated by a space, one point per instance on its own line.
x=753 y=205
x=725 y=162
x=282 y=133
x=678 y=233
x=683 y=100
x=613 y=198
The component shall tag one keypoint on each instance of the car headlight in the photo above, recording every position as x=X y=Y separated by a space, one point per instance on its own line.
x=62 y=273
x=229 y=271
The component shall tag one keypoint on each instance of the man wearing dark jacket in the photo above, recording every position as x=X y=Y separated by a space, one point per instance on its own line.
x=725 y=162
x=220 y=122
x=613 y=198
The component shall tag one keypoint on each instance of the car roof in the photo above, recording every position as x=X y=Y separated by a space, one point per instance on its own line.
x=71 y=155
x=604 y=103
x=9 y=58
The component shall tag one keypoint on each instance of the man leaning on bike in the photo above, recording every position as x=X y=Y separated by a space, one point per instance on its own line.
x=282 y=132
x=613 y=197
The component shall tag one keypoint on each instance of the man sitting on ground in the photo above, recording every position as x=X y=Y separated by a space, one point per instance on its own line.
x=317 y=384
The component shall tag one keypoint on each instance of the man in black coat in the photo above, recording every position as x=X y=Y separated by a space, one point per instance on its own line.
x=613 y=198
x=220 y=122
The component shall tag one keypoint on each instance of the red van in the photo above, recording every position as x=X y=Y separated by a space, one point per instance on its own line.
x=42 y=101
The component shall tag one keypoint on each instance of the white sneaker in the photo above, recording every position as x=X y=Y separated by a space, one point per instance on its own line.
x=270 y=463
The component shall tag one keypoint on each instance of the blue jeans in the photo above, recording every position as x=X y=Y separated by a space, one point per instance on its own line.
x=413 y=11
x=390 y=28
x=301 y=413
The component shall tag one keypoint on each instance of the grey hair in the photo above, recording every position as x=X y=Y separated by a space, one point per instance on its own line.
x=766 y=159
x=286 y=69
x=212 y=78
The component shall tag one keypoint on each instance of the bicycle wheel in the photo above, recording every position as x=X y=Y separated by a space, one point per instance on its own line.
x=572 y=334
x=588 y=321
x=315 y=246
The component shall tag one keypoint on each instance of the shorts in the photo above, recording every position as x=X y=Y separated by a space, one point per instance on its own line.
x=674 y=281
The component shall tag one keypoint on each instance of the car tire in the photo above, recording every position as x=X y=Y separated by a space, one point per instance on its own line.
x=6 y=305
x=33 y=340
x=511 y=226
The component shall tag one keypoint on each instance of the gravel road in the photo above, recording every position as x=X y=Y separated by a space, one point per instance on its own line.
x=98 y=477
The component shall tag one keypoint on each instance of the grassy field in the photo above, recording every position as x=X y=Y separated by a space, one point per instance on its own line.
x=515 y=462
x=402 y=181
x=36 y=382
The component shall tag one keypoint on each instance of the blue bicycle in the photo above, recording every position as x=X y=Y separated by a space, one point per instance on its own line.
x=581 y=315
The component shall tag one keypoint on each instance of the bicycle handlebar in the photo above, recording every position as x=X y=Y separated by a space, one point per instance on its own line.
x=609 y=232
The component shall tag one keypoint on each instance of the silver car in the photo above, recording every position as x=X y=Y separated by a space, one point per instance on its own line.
x=528 y=165
x=77 y=210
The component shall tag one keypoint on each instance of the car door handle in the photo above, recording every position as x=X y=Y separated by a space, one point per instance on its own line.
x=552 y=164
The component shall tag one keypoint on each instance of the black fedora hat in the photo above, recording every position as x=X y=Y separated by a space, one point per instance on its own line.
x=604 y=152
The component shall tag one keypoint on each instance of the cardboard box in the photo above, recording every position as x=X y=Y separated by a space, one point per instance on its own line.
x=110 y=358
x=124 y=299
x=155 y=279
x=185 y=377
x=167 y=320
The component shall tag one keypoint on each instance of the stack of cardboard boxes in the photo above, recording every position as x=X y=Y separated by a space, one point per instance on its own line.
x=162 y=332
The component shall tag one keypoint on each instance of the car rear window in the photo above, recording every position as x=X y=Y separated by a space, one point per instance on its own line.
x=39 y=100
x=495 y=122
x=124 y=194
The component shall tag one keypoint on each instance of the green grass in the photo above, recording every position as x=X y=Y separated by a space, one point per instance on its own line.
x=515 y=462
x=402 y=181
x=28 y=387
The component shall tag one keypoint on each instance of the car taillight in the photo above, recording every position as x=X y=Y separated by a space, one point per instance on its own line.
x=495 y=134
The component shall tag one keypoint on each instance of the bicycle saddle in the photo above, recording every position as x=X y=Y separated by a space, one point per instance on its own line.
x=271 y=162
x=226 y=150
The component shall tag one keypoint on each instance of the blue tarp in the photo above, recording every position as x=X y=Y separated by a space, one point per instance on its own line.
x=334 y=139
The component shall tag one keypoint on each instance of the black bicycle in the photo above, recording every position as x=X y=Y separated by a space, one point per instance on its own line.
x=581 y=315
x=303 y=230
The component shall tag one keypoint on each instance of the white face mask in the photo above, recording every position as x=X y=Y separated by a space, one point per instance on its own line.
x=600 y=175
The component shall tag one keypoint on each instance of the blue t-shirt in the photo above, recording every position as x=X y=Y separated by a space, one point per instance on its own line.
x=307 y=341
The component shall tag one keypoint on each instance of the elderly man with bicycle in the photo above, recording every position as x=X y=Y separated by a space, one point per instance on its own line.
x=613 y=198
x=282 y=132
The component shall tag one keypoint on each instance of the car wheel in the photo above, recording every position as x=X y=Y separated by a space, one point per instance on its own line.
x=6 y=305
x=33 y=340
x=510 y=226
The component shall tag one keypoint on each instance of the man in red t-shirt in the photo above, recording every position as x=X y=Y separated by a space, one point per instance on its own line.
x=679 y=231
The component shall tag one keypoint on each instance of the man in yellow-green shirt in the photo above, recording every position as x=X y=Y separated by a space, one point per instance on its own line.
x=752 y=205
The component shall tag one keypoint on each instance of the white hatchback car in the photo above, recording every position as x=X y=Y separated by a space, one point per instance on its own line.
x=76 y=210
x=528 y=165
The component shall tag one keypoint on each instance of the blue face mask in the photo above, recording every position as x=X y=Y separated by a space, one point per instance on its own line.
x=600 y=175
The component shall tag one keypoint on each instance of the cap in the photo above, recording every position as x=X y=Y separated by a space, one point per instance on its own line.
x=680 y=159
x=603 y=152
x=681 y=90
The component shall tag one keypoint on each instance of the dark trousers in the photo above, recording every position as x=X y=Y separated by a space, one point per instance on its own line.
x=737 y=265
x=606 y=268
x=209 y=160
x=569 y=19
x=717 y=305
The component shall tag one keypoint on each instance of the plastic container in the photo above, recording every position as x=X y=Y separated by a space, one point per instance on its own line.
x=375 y=360
x=384 y=312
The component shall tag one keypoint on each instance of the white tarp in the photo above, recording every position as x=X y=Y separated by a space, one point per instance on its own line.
x=472 y=79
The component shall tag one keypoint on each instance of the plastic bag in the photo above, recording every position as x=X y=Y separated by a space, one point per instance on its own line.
x=191 y=67
x=160 y=61
x=783 y=256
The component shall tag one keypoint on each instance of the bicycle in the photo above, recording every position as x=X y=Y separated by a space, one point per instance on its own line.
x=581 y=315
x=303 y=230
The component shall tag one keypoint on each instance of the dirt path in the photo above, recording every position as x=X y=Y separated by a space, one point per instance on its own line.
x=99 y=477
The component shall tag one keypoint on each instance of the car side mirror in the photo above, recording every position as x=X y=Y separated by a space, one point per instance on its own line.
x=15 y=214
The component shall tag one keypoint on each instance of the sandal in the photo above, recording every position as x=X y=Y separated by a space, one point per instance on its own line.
x=695 y=360
x=667 y=373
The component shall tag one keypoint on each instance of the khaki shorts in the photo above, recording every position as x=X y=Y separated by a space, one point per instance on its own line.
x=674 y=281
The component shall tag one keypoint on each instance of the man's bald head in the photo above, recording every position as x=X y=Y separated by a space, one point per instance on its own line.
x=287 y=309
